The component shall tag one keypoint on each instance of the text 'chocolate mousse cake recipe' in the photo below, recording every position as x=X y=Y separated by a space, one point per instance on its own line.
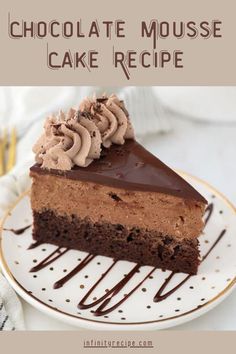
x=96 y=189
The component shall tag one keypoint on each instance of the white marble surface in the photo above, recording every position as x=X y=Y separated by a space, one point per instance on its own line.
x=204 y=150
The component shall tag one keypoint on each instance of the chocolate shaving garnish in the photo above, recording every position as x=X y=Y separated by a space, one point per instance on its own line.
x=56 y=125
x=115 y=197
x=102 y=99
x=83 y=114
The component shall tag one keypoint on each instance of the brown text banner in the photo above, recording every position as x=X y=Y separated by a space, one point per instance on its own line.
x=117 y=43
x=166 y=342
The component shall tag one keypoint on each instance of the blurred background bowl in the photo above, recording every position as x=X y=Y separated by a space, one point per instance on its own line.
x=214 y=104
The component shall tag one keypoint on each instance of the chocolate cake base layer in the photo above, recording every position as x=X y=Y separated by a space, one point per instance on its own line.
x=146 y=247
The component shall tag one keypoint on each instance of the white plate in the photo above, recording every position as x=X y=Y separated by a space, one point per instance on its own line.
x=197 y=295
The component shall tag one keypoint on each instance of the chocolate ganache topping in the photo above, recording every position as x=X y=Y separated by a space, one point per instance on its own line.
x=76 y=138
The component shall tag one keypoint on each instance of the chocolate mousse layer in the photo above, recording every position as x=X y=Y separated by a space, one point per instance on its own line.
x=167 y=214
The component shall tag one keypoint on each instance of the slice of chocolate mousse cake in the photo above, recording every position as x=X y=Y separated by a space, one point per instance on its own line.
x=96 y=189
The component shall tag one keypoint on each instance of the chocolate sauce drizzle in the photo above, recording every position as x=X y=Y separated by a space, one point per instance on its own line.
x=49 y=259
x=74 y=271
x=18 y=231
x=208 y=212
x=105 y=299
x=34 y=245
x=116 y=289
x=214 y=244
x=160 y=296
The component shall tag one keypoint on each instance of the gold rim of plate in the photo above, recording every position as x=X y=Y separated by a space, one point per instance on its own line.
x=198 y=309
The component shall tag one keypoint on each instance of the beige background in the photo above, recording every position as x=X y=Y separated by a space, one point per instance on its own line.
x=163 y=342
x=212 y=62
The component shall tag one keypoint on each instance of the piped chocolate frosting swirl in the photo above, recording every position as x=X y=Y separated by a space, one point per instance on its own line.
x=76 y=138
x=111 y=117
